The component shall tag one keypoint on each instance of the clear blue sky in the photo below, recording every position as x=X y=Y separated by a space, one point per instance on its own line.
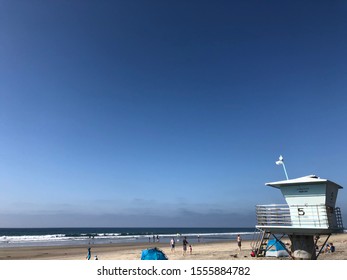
x=166 y=113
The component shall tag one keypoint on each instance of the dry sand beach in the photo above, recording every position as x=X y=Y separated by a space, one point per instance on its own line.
x=201 y=251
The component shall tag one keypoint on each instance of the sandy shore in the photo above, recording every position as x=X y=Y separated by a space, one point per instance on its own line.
x=201 y=251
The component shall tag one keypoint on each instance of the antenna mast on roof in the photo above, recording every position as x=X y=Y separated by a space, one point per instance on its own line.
x=281 y=162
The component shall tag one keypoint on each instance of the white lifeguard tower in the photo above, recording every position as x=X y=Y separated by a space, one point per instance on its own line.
x=310 y=212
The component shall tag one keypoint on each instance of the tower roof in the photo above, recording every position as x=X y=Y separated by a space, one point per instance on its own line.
x=310 y=179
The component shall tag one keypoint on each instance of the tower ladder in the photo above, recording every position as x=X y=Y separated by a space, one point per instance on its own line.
x=259 y=244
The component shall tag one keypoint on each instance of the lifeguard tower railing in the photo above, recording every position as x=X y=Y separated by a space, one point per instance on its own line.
x=305 y=216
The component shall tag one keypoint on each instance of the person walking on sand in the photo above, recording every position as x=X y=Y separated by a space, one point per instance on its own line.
x=185 y=243
x=239 y=240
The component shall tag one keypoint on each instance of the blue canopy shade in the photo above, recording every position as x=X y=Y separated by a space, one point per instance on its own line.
x=153 y=254
x=276 y=248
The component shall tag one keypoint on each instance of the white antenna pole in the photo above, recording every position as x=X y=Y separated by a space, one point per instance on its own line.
x=281 y=162
x=285 y=171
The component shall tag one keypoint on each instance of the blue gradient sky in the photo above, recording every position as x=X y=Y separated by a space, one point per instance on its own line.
x=166 y=113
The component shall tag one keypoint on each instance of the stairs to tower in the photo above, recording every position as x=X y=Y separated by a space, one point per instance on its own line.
x=260 y=241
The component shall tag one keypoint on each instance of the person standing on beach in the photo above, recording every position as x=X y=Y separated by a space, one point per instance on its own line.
x=239 y=240
x=185 y=243
x=172 y=243
x=89 y=254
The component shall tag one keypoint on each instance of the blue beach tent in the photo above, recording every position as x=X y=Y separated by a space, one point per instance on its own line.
x=153 y=254
x=276 y=248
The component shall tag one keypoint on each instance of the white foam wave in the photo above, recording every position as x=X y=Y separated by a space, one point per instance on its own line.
x=27 y=238
x=55 y=237
x=202 y=234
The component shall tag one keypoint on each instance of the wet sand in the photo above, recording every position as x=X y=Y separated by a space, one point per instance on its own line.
x=132 y=251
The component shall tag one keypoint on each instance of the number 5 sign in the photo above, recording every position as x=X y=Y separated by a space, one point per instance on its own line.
x=301 y=212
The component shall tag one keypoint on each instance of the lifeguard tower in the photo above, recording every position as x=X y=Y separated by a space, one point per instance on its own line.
x=310 y=212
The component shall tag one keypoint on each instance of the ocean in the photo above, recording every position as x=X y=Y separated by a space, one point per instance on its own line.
x=24 y=237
